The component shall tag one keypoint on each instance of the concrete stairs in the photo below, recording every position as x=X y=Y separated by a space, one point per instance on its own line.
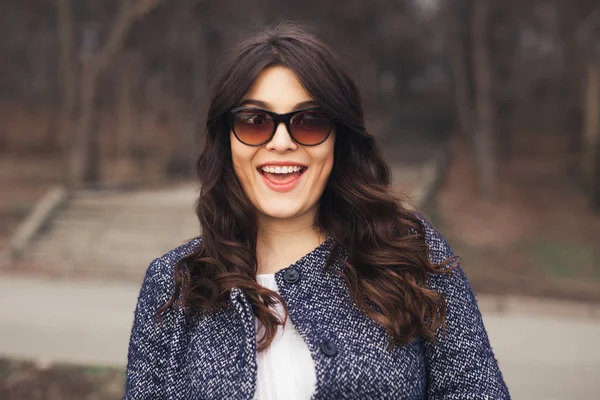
x=115 y=233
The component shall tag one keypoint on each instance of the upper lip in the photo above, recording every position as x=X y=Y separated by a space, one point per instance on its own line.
x=281 y=164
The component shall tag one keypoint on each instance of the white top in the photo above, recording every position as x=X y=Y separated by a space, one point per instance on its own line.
x=285 y=370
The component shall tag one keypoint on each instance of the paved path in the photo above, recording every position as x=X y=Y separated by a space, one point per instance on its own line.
x=542 y=357
x=72 y=321
x=547 y=358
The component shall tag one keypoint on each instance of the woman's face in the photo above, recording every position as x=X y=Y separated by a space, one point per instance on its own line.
x=281 y=195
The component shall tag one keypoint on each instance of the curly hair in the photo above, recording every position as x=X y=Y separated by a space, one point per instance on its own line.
x=386 y=268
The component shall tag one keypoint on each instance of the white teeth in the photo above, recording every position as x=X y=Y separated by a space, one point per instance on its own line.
x=281 y=170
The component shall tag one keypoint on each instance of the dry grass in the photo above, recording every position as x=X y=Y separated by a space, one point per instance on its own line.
x=539 y=238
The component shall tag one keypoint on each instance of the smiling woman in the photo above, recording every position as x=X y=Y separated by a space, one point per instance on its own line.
x=266 y=172
x=298 y=220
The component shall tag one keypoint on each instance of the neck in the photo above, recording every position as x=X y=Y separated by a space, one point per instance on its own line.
x=281 y=242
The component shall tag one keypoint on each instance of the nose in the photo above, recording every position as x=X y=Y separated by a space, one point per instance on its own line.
x=282 y=141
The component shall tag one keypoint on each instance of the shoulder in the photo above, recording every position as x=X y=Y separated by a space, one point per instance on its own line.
x=437 y=246
x=173 y=256
x=160 y=270
x=440 y=253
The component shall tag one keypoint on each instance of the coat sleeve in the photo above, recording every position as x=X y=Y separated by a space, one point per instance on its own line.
x=149 y=340
x=461 y=364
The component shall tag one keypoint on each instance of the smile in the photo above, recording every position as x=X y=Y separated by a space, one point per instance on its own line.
x=281 y=177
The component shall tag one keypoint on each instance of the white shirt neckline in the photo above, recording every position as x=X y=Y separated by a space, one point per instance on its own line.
x=286 y=370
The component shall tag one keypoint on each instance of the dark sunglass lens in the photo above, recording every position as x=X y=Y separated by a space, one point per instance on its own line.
x=252 y=127
x=310 y=127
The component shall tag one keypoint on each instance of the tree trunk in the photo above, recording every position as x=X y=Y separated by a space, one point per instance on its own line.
x=124 y=168
x=591 y=130
x=483 y=139
x=200 y=94
x=67 y=75
x=93 y=172
x=181 y=162
x=596 y=181
x=80 y=162
x=460 y=72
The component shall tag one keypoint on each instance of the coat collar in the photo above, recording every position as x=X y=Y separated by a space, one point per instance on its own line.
x=243 y=309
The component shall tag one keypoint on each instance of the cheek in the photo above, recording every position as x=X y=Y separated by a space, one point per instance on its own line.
x=325 y=158
x=241 y=157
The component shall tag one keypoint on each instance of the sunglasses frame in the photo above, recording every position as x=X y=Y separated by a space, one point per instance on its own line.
x=277 y=119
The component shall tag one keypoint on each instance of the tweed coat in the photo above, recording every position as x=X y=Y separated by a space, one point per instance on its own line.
x=214 y=356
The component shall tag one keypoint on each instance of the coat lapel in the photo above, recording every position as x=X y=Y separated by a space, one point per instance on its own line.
x=244 y=312
x=220 y=359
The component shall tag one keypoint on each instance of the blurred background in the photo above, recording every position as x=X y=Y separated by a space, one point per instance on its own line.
x=488 y=112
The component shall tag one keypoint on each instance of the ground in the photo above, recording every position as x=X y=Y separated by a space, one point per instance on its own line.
x=20 y=380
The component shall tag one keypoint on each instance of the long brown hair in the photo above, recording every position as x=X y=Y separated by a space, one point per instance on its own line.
x=386 y=268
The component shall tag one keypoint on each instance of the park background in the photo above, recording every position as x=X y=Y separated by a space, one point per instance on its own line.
x=488 y=112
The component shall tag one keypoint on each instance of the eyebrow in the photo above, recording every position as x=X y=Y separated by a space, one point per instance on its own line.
x=264 y=104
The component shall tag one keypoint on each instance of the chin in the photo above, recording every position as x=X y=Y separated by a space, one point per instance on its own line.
x=281 y=210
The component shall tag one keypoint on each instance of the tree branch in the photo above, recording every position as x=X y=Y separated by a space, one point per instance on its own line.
x=587 y=27
x=128 y=13
x=66 y=65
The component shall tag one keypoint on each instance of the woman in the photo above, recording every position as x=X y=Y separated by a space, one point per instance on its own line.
x=298 y=221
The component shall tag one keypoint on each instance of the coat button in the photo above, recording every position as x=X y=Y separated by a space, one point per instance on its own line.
x=328 y=348
x=291 y=276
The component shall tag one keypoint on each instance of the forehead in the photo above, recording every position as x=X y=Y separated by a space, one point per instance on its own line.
x=279 y=87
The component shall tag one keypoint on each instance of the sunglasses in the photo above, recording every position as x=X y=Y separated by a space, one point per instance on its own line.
x=256 y=127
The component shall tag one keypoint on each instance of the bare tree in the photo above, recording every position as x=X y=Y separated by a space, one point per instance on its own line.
x=591 y=145
x=83 y=93
x=468 y=37
x=190 y=33
x=589 y=41
x=127 y=115
x=66 y=69
x=460 y=66
x=483 y=138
